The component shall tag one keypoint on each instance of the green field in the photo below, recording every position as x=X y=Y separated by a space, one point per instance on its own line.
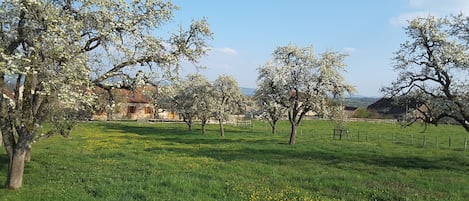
x=159 y=161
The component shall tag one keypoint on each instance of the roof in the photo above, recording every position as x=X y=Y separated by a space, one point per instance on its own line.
x=350 y=108
x=388 y=106
x=135 y=96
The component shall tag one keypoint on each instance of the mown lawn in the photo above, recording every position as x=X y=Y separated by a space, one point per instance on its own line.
x=136 y=161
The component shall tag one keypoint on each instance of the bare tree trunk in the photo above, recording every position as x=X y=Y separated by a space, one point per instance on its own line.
x=189 y=124
x=16 y=169
x=273 y=125
x=222 y=130
x=204 y=123
x=188 y=120
x=292 y=134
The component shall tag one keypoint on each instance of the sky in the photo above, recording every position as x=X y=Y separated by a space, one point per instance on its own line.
x=246 y=33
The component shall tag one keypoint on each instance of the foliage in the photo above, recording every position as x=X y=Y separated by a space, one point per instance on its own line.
x=301 y=82
x=194 y=98
x=433 y=69
x=55 y=52
x=267 y=95
x=135 y=161
x=227 y=96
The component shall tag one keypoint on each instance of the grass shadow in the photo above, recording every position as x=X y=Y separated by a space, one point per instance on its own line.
x=268 y=150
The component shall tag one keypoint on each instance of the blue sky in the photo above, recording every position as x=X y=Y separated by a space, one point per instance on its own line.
x=246 y=32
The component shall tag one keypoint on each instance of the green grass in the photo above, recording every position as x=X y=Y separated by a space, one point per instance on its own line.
x=131 y=161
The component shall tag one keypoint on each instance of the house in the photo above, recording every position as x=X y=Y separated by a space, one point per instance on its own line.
x=350 y=111
x=391 y=108
x=129 y=105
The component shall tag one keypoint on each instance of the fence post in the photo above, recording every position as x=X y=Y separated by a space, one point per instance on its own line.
x=465 y=143
x=449 y=142
x=366 y=136
x=424 y=139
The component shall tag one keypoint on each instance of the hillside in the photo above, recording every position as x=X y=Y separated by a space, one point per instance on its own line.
x=359 y=101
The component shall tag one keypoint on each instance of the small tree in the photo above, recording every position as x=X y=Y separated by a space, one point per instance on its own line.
x=267 y=96
x=191 y=99
x=226 y=93
x=433 y=69
x=204 y=101
x=304 y=83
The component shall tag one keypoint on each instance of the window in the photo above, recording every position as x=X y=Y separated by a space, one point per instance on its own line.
x=148 y=110
x=131 y=109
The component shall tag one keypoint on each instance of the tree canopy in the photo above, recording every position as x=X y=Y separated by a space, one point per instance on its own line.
x=433 y=69
x=302 y=82
x=227 y=94
x=53 y=53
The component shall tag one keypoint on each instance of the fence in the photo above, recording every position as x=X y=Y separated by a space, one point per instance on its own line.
x=413 y=139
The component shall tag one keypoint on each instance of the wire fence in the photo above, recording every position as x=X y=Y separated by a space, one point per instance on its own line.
x=411 y=139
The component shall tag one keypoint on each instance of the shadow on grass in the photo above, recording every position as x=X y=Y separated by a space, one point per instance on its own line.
x=280 y=153
x=281 y=156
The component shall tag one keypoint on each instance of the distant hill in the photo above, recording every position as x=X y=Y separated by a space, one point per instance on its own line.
x=360 y=101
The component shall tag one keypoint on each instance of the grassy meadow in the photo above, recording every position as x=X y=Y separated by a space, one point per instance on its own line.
x=164 y=161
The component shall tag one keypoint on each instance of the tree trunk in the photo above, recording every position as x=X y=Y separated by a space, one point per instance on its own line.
x=292 y=134
x=16 y=169
x=204 y=123
x=274 y=128
x=273 y=125
x=189 y=123
x=222 y=130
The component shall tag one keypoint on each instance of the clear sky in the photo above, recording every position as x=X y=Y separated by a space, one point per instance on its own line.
x=246 y=32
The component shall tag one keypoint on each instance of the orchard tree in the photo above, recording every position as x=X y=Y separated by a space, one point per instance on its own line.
x=204 y=101
x=434 y=70
x=226 y=93
x=267 y=95
x=190 y=101
x=53 y=52
x=303 y=82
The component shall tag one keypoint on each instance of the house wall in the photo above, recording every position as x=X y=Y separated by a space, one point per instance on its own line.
x=139 y=111
x=128 y=111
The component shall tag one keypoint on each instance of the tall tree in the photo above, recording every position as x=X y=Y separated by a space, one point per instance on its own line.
x=303 y=82
x=226 y=92
x=433 y=67
x=49 y=49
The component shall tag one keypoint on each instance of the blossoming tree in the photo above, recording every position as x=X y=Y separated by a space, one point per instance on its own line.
x=433 y=67
x=301 y=82
x=49 y=49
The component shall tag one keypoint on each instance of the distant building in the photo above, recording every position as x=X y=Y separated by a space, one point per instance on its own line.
x=390 y=108
x=350 y=111
x=133 y=105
